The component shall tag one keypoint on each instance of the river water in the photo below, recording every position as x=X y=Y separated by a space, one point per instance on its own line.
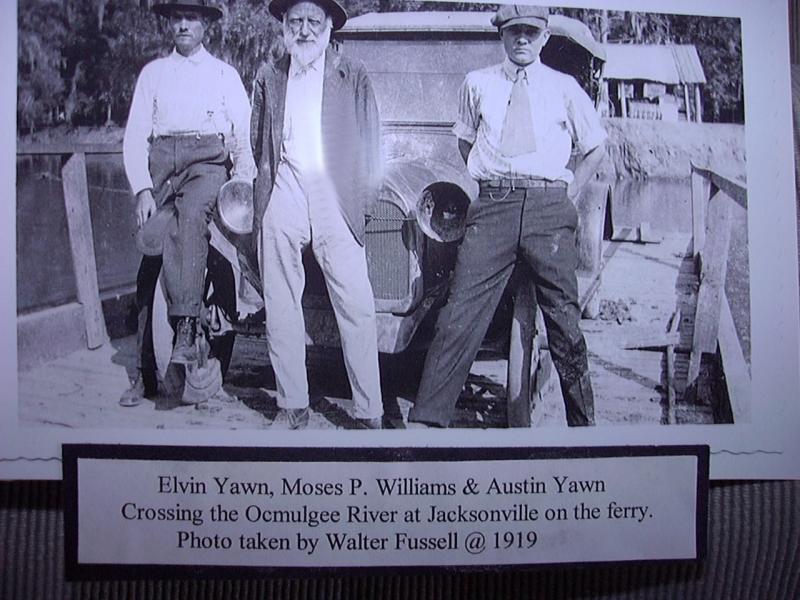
x=44 y=265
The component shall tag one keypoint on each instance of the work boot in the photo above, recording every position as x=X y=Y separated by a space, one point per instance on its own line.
x=367 y=423
x=185 y=349
x=138 y=391
x=291 y=418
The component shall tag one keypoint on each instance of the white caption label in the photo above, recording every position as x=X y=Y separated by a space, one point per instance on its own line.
x=370 y=514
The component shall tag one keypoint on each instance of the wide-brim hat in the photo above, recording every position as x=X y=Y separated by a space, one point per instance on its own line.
x=520 y=14
x=150 y=237
x=165 y=9
x=277 y=8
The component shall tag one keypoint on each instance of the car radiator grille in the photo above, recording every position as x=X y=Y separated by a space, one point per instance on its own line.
x=387 y=240
x=388 y=253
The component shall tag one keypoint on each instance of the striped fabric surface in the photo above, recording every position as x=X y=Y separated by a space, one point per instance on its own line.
x=753 y=553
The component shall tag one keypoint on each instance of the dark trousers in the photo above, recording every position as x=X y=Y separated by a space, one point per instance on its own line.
x=187 y=171
x=538 y=226
x=221 y=279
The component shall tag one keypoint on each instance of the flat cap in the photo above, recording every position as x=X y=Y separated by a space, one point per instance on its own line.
x=516 y=14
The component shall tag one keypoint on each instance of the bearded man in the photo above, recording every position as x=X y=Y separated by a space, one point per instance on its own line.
x=315 y=134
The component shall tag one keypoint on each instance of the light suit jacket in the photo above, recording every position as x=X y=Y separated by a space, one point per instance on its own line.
x=350 y=135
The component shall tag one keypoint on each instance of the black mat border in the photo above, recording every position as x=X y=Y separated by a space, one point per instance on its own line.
x=71 y=453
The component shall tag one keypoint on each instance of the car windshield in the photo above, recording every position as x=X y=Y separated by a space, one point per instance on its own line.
x=417 y=61
x=417 y=79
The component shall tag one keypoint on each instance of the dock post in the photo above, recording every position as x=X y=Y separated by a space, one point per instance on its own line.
x=81 y=241
x=714 y=261
x=701 y=187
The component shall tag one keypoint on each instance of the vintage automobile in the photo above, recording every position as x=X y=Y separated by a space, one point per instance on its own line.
x=417 y=61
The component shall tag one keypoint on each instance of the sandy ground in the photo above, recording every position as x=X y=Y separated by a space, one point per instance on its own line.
x=82 y=389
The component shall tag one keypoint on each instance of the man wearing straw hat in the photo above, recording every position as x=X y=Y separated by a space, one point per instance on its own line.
x=315 y=136
x=188 y=125
x=517 y=124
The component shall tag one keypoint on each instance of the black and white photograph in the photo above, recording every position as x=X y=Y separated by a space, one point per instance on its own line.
x=386 y=222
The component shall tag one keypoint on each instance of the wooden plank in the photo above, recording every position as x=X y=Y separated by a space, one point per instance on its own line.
x=712 y=282
x=653 y=340
x=67 y=148
x=737 y=372
x=674 y=325
x=687 y=103
x=700 y=190
x=735 y=187
x=79 y=223
x=698 y=106
x=736 y=190
x=642 y=234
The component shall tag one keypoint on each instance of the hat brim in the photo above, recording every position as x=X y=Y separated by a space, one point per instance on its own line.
x=165 y=10
x=277 y=8
x=150 y=236
x=537 y=22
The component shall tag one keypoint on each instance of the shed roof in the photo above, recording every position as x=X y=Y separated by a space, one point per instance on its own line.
x=664 y=63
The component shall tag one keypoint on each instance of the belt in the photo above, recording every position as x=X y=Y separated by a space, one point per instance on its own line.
x=513 y=184
x=190 y=135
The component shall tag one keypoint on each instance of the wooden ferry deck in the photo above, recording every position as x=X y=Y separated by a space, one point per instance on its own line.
x=642 y=286
x=663 y=347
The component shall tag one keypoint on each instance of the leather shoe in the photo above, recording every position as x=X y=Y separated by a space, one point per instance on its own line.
x=373 y=423
x=185 y=350
x=138 y=391
x=291 y=418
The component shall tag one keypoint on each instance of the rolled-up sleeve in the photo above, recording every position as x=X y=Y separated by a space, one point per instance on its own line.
x=138 y=129
x=467 y=120
x=238 y=108
x=586 y=127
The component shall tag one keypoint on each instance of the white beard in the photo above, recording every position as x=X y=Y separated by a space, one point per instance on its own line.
x=308 y=51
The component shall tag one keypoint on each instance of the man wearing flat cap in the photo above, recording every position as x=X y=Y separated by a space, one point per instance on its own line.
x=517 y=124
x=188 y=125
x=315 y=136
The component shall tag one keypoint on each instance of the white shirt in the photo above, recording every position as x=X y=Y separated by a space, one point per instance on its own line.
x=561 y=111
x=302 y=118
x=187 y=94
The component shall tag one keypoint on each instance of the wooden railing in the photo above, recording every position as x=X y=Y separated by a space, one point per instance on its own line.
x=79 y=224
x=81 y=241
x=713 y=196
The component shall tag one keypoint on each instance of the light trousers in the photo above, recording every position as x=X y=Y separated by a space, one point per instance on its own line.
x=299 y=216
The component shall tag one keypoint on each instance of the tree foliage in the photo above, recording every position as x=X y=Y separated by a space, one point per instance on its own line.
x=78 y=59
x=718 y=41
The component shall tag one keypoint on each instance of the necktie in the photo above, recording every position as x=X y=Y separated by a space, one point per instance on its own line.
x=517 y=135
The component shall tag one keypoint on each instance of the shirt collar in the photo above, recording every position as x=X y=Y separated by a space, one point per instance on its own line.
x=318 y=64
x=510 y=69
x=196 y=58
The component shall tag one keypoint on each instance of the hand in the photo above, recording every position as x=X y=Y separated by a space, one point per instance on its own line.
x=145 y=206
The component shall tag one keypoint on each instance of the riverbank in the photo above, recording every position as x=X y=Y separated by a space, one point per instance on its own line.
x=642 y=149
x=637 y=149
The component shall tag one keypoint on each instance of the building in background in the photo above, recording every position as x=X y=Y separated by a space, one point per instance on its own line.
x=649 y=81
